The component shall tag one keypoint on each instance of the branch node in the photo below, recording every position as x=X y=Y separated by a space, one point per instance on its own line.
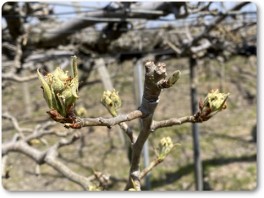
x=148 y=107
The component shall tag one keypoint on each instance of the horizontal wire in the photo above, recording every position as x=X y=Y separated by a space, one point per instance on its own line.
x=143 y=29
x=197 y=15
x=71 y=5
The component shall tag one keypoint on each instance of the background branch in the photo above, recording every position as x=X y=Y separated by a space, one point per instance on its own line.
x=13 y=77
x=53 y=36
x=20 y=130
x=49 y=157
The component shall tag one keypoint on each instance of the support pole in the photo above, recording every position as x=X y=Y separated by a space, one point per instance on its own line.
x=195 y=129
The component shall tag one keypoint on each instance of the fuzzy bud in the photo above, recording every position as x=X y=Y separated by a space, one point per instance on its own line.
x=111 y=101
x=212 y=104
x=60 y=90
x=165 y=147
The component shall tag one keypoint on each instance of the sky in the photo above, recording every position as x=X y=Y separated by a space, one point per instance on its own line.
x=67 y=7
x=100 y=4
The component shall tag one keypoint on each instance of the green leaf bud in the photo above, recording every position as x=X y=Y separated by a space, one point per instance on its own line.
x=61 y=90
x=111 y=101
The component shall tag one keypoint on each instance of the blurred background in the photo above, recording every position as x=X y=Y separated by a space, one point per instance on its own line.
x=213 y=44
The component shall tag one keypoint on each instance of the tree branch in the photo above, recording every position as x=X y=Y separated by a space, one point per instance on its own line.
x=211 y=26
x=41 y=130
x=128 y=131
x=149 y=168
x=49 y=157
x=155 y=76
x=13 y=77
x=5 y=171
x=20 y=130
x=52 y=37
x=14 y=24
x=171 y=122
x=86 y=122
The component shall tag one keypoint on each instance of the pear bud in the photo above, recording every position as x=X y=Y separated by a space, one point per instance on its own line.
x=165 y=147
x=111 y=101
x=61 y=90
x=212 y=104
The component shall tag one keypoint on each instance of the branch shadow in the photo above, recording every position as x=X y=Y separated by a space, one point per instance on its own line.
x=171 y=177
x=226 y=137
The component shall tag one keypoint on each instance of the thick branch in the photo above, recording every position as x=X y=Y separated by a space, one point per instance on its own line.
x=14 y=24
x=52 y=37
x=68 y=173
x=48 y=157
x=155 y=77
x=137 y=147
x=128 y=131
x=22 y=147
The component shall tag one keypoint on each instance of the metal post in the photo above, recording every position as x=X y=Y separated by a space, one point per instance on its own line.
x=195 y=129
x=108 y=85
